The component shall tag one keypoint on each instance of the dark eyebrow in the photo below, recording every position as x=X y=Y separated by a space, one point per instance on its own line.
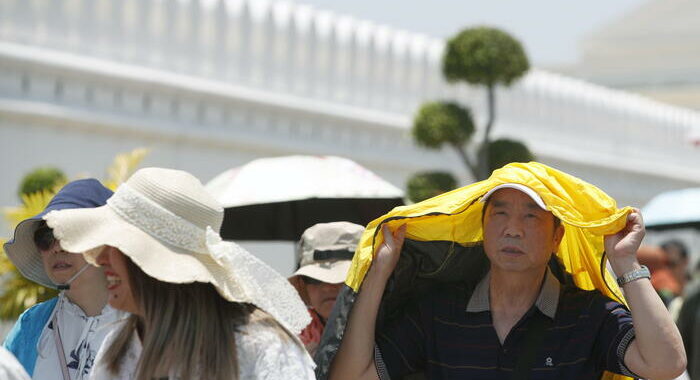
x=530 y=205
x=533 y=205
x=498 y=203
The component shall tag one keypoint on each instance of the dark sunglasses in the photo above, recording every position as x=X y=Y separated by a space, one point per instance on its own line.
x=43 y=238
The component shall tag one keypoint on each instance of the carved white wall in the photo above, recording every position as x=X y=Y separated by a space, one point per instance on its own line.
x=211 y=84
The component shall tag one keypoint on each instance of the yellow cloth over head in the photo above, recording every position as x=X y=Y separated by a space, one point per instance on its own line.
x=587 y=213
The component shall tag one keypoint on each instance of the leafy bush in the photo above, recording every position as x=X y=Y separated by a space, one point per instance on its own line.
x=439 y=123
x=505 y=151
x=484 y=56
x=429 y=184
x=44 y=178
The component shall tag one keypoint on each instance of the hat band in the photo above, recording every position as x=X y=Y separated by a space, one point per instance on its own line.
x=156 y=220
x=333 y=254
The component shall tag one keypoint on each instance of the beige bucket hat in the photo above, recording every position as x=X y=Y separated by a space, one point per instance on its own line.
x=167 y=224
x=326 y=249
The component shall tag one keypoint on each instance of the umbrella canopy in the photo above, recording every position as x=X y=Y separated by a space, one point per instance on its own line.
x=673 y=209
x=278 y=198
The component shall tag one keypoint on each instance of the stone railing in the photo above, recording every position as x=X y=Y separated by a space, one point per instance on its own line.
x=303 y=59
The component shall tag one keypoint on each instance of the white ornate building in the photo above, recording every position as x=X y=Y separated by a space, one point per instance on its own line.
x=653 y=50
x=211 y=84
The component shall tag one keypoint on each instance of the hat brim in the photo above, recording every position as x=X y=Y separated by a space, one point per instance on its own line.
x=87 y=231
x=332 y=273
x=25 y=255
x=528 y=191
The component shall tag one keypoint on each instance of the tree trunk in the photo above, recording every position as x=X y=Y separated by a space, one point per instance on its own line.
x=465 y=158
x=483 y=162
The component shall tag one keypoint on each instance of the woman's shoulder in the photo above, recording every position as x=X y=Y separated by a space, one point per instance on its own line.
x=266 y=351
x=261 y=335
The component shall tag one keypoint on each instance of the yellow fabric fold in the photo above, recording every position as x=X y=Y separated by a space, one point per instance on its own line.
x=587 y=213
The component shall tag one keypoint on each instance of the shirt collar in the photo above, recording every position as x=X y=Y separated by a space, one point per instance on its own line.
x=547 y=301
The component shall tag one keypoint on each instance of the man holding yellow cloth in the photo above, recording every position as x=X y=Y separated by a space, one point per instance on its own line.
x=546 y=306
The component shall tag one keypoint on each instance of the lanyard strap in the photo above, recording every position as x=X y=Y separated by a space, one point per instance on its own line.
x=59 y=348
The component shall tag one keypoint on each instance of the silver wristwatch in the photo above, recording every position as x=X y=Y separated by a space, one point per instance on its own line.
x=636 y=274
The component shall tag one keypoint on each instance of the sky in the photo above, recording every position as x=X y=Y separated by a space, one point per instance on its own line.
x=550 y=30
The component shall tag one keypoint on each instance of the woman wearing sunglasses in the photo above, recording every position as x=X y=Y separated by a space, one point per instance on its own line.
x=59 y=338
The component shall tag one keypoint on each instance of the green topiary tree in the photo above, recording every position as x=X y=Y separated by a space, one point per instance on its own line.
x=479 y=56
x=444 y=123
x=487 y=57
x=39 y=179
x=504 y=151
x=429 y=184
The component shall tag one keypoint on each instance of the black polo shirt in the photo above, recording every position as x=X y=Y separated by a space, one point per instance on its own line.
x=449 y=336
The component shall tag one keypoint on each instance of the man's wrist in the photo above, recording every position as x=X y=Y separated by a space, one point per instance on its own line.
x=378 y=274
x=624 y=265
x=634 y=275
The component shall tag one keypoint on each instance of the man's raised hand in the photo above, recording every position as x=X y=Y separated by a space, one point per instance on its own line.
x=386 y=257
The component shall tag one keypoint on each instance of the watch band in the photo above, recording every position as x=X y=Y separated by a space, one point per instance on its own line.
x=636 y=274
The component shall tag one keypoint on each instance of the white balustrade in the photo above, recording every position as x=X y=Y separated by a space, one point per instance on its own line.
x=291 y=54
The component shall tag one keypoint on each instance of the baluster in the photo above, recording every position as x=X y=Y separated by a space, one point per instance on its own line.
x=301 y=49
x=119 y=29
x=245 y=51
x=192 y=37
x=265 y=49
x=232 y=53
x=290 y=54
x=310 y=64
x=48 y=25
x=323 y=56
x=220 y=45
x=284 y=37
x=207 y=38
x=344 y=60
x=155 y=28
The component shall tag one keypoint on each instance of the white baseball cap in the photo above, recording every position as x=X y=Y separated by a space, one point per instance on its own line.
x=531 y=193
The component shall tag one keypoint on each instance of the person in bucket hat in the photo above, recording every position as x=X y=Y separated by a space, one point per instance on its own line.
x=202 y=308
x=541 y=304
x=61 y=335
x=325 y=252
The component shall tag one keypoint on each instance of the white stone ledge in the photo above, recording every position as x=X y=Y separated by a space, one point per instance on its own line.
x=84 y=121
x=127 y=75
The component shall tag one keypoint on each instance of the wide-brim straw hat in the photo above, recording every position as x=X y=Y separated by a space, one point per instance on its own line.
x=23 y=252
x=167 y=224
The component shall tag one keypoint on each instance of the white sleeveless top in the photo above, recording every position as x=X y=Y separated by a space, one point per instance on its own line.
x=81 y=336
x=262 y=355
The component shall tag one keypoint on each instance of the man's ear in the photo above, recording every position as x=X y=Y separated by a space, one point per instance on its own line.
x=558 y=236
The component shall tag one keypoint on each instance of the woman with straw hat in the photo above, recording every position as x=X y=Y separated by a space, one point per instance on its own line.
x=201 y=308
x=63 y=334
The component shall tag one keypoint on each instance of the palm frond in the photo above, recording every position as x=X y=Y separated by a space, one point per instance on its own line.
x=123 y=166
x=32 y=204
x=19 y=293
